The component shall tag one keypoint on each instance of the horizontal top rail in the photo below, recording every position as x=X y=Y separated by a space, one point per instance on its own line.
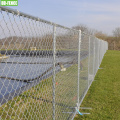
x=19 y=13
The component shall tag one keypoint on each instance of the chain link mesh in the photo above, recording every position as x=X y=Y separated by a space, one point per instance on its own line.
x=84 y=59
x=45 y=69
x=66 y=79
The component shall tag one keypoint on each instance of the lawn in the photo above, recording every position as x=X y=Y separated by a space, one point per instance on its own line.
x=37 y=102
x=104 y=94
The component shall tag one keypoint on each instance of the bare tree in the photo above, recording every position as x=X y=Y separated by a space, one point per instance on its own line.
x=100 y=35
x=84 y=29
x=116 y=32
x=81 y=27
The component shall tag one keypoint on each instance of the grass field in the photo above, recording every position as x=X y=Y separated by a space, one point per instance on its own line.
x=104 y=94
x=37 y=102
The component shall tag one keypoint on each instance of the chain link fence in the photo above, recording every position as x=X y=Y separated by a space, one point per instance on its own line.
x=45 y=69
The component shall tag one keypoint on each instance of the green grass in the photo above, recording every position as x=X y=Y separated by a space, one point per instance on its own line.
x=104 y=94
x=37 y=102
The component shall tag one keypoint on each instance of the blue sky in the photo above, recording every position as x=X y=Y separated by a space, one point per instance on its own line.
x=103 y=15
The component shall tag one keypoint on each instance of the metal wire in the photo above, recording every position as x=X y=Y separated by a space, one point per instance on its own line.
x=45 y=69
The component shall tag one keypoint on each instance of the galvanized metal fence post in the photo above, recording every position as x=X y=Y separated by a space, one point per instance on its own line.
x=98 y=53
x=54 y=62
x=79 y=68
x=94 y=59
x=88 y=62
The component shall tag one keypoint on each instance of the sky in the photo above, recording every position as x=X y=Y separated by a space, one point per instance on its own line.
x=103 y=15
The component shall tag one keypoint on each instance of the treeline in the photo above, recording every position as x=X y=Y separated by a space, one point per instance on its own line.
x=113 y=40
x=64 y=40
x=67 y=40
